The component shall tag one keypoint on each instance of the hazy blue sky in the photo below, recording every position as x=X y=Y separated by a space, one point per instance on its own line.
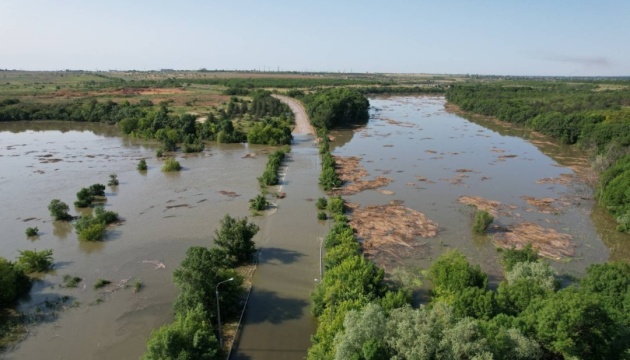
x=535 y=37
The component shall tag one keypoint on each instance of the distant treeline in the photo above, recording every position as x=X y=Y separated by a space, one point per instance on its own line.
x=270 y=119
x=581 y=114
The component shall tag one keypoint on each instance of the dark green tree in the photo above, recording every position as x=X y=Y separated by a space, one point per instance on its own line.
x=235 y=236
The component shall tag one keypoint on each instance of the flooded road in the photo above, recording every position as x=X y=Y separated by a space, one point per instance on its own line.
x=278 y=322
x=431 y=156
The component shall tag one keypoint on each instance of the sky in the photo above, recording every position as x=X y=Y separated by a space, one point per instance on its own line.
x=487 y=37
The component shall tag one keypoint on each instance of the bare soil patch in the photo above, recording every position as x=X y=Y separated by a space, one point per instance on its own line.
x=392 y=228
x=549 y=243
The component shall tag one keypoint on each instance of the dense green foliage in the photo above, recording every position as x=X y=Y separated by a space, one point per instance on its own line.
x=171 y=165
x=197 y=276
x=259 y=203
x=35 y=261
x=321 y=203
x=188 y=337
x=483 y=219
x=527 y=317
x=142 y=165
x=328 y=178
x=92 y=228
x=59 y=210
x=13 y=282
x=32 y=231
x=584 y=114
x=86 y=196
x=336 y=107
x=271 y=131
x=235 y=237
x=350 y=282
x=192 y=334
x=270 y=175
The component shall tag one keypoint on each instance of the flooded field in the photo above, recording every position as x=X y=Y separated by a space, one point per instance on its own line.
x=413 y=159
x=163 y=215
x=420 y=158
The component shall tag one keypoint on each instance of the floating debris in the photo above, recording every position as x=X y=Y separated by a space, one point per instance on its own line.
x=548 y=242
x=228 y=193
x=482 y=204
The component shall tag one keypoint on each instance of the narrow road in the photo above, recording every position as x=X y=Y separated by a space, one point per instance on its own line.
x=278 y=323
x=302 y=123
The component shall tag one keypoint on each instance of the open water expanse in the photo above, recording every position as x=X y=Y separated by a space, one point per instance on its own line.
x=411 y=140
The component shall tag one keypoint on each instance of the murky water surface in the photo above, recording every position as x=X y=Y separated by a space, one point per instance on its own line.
x=412 y=138
x=163 y=215
x=407 y=138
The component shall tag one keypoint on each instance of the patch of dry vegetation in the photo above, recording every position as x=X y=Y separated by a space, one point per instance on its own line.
x=548 y=242
x=391 y=227
x=351 y=173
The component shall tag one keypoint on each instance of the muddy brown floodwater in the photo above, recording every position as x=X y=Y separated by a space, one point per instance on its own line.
x=431 y=159
x=437 y=162
x=163 y=215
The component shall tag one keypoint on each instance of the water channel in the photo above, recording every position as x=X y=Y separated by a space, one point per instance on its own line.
x=407 y=138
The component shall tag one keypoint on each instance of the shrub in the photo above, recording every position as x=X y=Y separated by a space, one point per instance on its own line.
x=101 y=283
x=258 y=203
x=71 y=281
x=322 y=215
x=113 y=181
x=84 y=198
x=483 y=219
x=321 y=203
x=59 y=210
x=159 y=153
x=99 y=189
x=13 y=282
x=35 y=261
x=31 y=231
x=171 y=165
x=335 y=205
x=142 y=165
x=91 y=232
x=104 y=216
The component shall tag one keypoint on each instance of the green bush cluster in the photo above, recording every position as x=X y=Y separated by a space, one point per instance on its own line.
x=13 y=282
x=86 y=196
x=31 y=261
x=483 y=219
x=192 y=334
x=270 y=175
x=328 y=177
x=259 y=203
x=271 y=131
x=333 y=107
x=92 y=228
x=59 y=210
x=32 y=231
x=350 y=282
x=171 y=165
x=526 y=317
x=142 y=165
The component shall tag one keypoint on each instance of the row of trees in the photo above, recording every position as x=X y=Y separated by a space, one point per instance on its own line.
x=595 y=119
x=192 y=334
x=526 y=317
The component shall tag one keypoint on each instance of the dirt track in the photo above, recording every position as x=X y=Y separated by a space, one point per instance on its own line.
x=302 y=123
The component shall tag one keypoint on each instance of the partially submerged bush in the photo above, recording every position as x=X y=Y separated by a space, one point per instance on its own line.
x=101 y=283
x=483 y=219
x=35 y=261
x=113 y=180
x=321 y=215
x=32 y=231
x=59 y=210
x=71 y=281
x=142 y=165
x=171 y=165
x=13 y=282
x=321 y=203
x=259 y=203
x=91 y=228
